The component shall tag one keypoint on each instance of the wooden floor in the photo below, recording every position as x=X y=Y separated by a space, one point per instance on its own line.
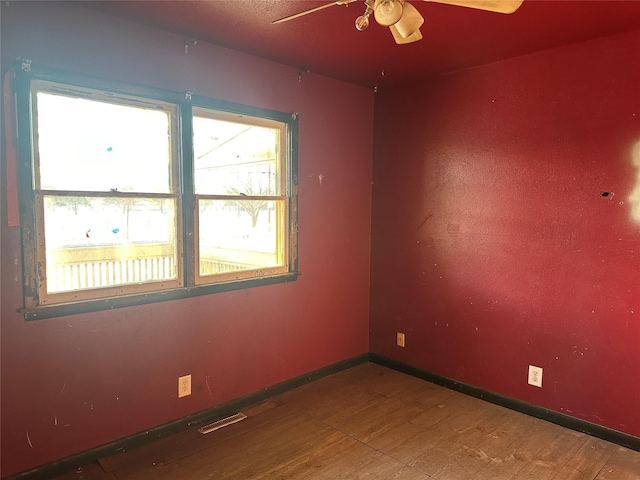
x=374 y=423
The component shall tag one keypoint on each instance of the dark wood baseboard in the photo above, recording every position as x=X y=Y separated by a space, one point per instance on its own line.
x=561 y=419
x=57 y=467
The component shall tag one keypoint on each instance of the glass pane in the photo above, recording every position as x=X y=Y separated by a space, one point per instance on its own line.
x=87 y=145
x=105 y=242
x=239 y=235
x=235 y=159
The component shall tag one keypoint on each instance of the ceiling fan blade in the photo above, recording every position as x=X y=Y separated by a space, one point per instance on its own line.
x=498 y=6
x=313 y=10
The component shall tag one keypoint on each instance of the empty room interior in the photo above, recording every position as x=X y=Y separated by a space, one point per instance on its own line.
x=303 y=239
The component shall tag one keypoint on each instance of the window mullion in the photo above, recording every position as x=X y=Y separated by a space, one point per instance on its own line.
x=189 y=202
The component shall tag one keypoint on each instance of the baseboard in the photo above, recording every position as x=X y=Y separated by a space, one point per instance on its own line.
x=561 y=419
x=66 y=464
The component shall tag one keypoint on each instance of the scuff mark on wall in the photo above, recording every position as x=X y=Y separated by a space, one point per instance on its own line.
x=427 y=217
x=206 y=379
x=634 y=198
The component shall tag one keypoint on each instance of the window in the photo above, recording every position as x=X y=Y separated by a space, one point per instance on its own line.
x=131 y=195
x=241 y=195
x=106 y=183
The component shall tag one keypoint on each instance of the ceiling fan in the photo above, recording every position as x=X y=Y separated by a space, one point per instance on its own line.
x=402 y=18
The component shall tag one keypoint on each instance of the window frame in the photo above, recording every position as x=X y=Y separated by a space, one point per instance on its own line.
x=202 y=110
x=36 y=304
x=44 y=296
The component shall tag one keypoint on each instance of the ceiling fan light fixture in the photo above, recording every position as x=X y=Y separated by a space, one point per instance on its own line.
x=387 y=12
x=410 y=22
x=400 y=40
x=362 y=22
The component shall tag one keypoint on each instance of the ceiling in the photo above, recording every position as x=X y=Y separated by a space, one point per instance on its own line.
x=326 y=42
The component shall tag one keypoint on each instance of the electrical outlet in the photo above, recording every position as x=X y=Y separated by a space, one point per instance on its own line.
x=535 y=376
x=184 y=386
x=400 y=339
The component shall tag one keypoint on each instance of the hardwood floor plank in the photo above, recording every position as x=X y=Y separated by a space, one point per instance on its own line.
x=437 y=459
x=554 y=456
x=355 y=461
x=184 y=444
x=93 y=471
x=325 y=401
x=416 y=441
x=373 y=420
x=411 y=390
x=515 y=457
x=624 y=464
x=249 y=455
x=332 y=451
x=407 y=473
x=462 y=454
x=588 y=460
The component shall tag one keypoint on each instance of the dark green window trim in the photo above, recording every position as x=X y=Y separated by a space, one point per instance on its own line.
x=96 y=305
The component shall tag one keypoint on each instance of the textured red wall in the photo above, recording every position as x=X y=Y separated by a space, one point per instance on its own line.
x=492 y=245
x=69 y=384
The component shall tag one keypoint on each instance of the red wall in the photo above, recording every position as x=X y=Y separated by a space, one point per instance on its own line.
x=492 y=246
x=69 y=384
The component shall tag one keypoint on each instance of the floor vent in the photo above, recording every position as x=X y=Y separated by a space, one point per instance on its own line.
x=223 y=422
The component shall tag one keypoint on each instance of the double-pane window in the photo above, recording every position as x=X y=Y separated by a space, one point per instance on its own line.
x=240 y=186
x=127 y=192
x=106 y=188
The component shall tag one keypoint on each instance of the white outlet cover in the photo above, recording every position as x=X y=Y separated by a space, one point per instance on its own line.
x=535 y=376
x=184 y=386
